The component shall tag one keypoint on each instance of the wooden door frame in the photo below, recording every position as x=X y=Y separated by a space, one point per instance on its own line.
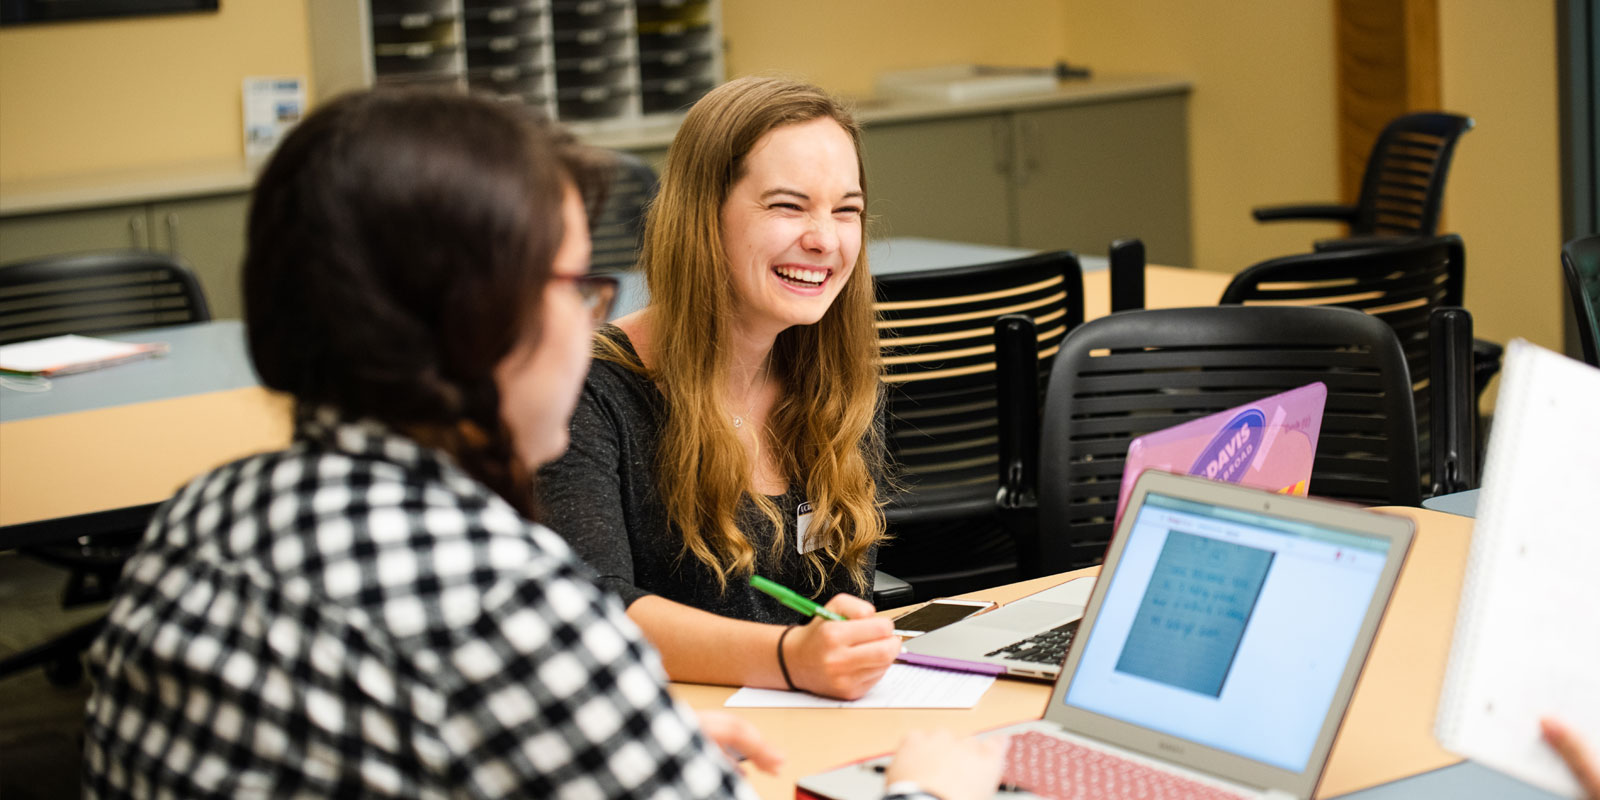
x=1387 y=64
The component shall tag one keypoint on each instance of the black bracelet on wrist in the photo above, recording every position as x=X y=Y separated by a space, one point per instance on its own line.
x=783 y=666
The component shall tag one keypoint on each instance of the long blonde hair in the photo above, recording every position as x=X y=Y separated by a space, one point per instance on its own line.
x=827 y=373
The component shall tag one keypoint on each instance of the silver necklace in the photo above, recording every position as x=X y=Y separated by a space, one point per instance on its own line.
x=738 y=419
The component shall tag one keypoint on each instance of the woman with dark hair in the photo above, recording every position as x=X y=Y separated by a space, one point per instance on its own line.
x=731 y=427
x=371 y=612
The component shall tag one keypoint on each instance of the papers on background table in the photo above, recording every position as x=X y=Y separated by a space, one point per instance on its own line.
x=903 y=686
x=1527 y=637
x=64 y=355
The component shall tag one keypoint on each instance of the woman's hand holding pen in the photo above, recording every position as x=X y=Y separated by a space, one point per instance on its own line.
x=842 y=659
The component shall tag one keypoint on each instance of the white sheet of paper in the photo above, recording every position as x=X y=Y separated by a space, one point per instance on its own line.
x=1527 y=637
x=903 y=686
x=61 y=354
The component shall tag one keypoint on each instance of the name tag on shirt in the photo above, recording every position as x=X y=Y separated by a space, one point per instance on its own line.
x=803 y=540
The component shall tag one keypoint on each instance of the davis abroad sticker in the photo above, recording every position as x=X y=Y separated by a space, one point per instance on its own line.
x=1231 y=450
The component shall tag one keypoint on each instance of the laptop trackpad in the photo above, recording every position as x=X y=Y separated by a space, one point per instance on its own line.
x=1031 y=616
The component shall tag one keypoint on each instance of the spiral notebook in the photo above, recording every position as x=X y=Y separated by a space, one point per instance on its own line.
x=1527 y=637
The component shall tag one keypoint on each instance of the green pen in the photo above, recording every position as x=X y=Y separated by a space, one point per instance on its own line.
x=794 y=600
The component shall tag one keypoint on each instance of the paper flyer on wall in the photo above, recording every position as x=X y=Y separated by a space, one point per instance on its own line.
x=271 y=107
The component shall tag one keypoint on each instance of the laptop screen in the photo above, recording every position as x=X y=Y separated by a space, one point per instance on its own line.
x=1227 y=627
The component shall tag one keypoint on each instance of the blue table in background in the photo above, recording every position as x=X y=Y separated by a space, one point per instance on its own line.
x=1464 y=781
x=203 y=357
x=1463 y=504
x=885 y=256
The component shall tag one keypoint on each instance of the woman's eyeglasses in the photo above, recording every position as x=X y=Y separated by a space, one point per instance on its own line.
x=597 y=292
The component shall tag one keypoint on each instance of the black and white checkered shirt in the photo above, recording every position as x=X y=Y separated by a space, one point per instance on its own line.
x=355 y=616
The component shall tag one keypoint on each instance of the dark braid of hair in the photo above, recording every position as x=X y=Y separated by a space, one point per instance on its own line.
x=399 y=244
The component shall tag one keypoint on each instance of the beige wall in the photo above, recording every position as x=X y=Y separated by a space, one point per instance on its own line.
x=84 y=97
x=843 y=44
x=1498 y=64
x=1262 y=116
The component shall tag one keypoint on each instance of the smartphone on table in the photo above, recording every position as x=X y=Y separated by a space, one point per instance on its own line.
x=937 y=614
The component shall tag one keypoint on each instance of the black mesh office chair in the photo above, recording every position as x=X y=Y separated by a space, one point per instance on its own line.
x=1580 y=262
x=1402 y=188
x=1131 y=373
x=937 y=338
x=1400 y=282
x=1402 y=192
x=96 y=293
x=615 y=229
x=91 y=293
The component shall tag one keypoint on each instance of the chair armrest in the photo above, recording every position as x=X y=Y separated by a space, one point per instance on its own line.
x=1454 y=423
x=890 y=592
x=1326 y=211
x=1127 y=274
x=1016 y=347
x=1017 y=397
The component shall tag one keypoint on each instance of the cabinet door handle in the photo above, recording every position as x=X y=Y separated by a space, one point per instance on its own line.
x=172 y=232
x=1004 y=154
x=1029 y=134
x=136 y=236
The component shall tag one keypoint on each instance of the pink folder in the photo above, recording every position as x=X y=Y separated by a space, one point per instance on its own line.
x=1269 y=444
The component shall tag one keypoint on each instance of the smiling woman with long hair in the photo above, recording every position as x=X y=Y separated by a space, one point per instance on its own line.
x=731 y=427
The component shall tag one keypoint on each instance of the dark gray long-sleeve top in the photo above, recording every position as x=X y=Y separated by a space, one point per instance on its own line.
x=602 y=497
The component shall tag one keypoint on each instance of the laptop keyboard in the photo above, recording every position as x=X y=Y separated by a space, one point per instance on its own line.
x=1049 y=647
x=1061 y=770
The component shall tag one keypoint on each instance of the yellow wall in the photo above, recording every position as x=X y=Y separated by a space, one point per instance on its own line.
x=1261 y=118
x=1498 y=64
x=84 y=97
x=842 y=45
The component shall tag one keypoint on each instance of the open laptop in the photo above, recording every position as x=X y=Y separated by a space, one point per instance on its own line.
x=1269 y=444
x=1218 y=651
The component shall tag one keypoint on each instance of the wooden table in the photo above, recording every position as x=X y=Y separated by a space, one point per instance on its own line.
x=66 y=465
x=1387 y=734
